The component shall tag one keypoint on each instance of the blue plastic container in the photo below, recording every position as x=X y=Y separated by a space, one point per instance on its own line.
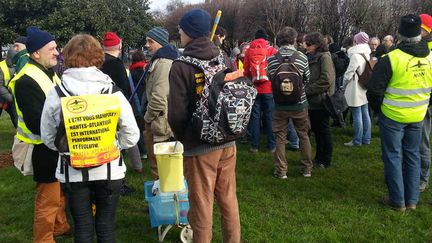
x=163 y=207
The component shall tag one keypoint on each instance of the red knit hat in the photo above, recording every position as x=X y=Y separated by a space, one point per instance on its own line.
x=426 y=21
x=110 y=39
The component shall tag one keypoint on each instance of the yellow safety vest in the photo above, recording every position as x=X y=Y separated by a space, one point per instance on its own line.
x=6 y=74
x=407 y=95
x=430 y=45
x=45 y=83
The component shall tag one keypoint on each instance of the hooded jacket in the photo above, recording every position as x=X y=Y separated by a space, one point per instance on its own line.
x=263 y=87
x=82 y=81
x=382 y=73
x=157 y=90
x=185 y=81
x=355 y=95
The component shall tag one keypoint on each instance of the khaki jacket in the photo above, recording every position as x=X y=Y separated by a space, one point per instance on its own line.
x=157 y=90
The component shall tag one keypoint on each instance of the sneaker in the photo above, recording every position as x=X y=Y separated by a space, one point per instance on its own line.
x=144 y=156
x=126 y=190
x=423 y=186
x=280 y=177
x=323 y=166
x=272 y=150
x=253 y=150
x=139 y=170
x=293 y=148
x=386 y=201
x=307 y=174
x=411 y=207
x=351 y=144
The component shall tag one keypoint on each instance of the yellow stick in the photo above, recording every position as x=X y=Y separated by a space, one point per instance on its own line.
x=216 y=22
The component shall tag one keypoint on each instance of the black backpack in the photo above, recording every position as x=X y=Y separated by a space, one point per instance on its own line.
x=224 y=107
x=287 y=82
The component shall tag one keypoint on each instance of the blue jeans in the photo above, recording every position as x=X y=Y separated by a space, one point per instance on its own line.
x=401 y=156
x=262 y=110
x=425 y=155
x=361 y=125
x=293 y=140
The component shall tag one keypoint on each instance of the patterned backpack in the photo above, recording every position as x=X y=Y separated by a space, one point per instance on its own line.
x=225 y=105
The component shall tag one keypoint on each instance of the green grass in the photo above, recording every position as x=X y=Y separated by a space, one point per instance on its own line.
x=339 y=204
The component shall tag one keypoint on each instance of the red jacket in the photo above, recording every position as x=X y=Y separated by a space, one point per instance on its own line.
x=262 y=86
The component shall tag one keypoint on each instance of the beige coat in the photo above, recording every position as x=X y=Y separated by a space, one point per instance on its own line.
x=157 y=90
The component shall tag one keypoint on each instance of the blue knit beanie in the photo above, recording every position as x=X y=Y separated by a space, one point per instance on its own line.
x=160 y=35
x=196 y=23
x=36 y=39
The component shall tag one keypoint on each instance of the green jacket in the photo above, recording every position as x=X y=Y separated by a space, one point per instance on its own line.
x=20 y=59
x=321 y=81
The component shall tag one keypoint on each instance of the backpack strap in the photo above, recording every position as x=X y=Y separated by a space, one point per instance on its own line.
x=367 y=63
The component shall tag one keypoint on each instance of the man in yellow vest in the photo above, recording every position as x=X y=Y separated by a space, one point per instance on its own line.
x=6 y=73
x=425 y=155
x=400 y=90
x=30 y=87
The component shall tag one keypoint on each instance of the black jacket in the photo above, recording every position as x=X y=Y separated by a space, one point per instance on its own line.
x=114 y=68
x=31 y=99
x=382 y=73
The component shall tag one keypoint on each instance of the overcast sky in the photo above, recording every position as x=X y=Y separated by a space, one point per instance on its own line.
x=161 y=4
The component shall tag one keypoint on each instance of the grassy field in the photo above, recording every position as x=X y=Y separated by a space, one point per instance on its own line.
x=339 y=204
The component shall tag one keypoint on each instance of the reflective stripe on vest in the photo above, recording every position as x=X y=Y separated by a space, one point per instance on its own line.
x=45 y=83
x=6 y=74
x=407 y=95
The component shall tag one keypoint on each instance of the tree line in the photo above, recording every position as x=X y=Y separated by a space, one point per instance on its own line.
x=65 y=18
x=337 y=18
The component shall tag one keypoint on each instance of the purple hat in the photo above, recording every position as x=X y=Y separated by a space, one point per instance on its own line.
x=361 y=38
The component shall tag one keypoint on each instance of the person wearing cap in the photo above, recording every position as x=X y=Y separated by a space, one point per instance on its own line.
x=209 y=169
x=355 y=94
x=30 y=88
x=6 y=74
x=114 y=68
x=425 y=155
x=262 y=110
x=22 y=56
x=157 y=90
x=113 y=65
x=399 y=90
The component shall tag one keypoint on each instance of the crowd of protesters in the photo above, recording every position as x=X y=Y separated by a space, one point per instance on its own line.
x=156 y=99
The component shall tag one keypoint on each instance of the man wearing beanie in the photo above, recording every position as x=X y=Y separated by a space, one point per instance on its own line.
x=30 y=87
x=22 y=56
x=400 y=91
x=157 y=90
x=425 y=155
x=355 y=94
x=209 y=169
x=262 y=110
x=114 y=68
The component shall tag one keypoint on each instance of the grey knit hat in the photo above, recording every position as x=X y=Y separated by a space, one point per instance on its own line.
x=159 y=34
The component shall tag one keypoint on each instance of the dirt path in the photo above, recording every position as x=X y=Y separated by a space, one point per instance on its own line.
x=6 y=159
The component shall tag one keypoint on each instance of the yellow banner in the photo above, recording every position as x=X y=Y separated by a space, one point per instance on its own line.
x=91 y=123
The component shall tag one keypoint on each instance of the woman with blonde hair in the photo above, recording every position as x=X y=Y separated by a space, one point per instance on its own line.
x=101 y=184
